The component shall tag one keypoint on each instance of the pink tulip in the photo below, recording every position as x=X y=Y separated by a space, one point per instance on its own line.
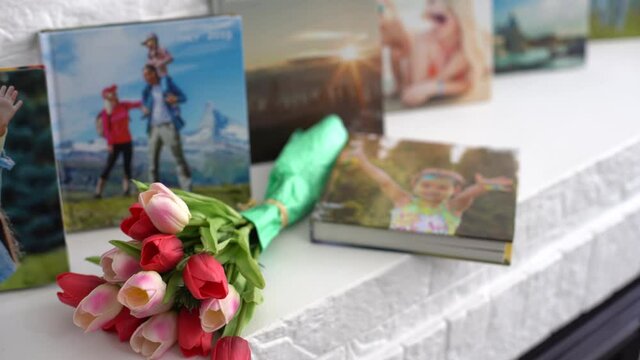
x=216 y=313
x=166 y=210
x=143 y=294
x=156 y=335
x=97 y=308
x=118 y=266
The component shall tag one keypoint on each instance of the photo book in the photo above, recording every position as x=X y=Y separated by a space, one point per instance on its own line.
x=159 y=101
x=539 y=34
x=305 y=60
x=422 y=197
x=435 y=51
x=614 y=18
x=32 y=246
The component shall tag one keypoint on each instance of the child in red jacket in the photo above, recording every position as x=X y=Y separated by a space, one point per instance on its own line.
x=115 y=129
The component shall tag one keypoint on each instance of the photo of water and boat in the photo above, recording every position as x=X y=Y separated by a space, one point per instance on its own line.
x=539 y=34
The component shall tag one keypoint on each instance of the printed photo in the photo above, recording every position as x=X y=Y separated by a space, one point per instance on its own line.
x=539 y=34
x=32 y=247
x=161 y=101
x=435 y=51
x=614 y=18
x=423 y=187
x=306 y=60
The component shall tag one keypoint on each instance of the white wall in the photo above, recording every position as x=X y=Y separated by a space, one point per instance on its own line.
x=20 y=20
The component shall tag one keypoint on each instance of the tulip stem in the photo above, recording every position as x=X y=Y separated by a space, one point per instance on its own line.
x=233 y=273
x=240 y=323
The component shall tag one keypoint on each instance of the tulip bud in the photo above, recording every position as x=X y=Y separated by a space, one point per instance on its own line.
x=143 y=294
x=192 y=340
x=97 y=308
x=118 y=266
x=76 y=287
x=161 y=252
x=166 y=210
x=157 y=335
x=205 y=278
x=216 y=313
x=231 y=348
x=138 y=225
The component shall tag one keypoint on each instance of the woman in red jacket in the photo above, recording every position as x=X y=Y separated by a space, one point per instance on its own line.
x=115 y=129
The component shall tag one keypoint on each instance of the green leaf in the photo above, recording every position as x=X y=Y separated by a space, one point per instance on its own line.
x=140 y=185
x=209 y=242
x=127 y=247
x=175 y=282
x=253 y=295
x=243 y=239
x=182 y=263
x=197 y=221
x=93 y=259
x=249 y=268
x=242 y=318
x=227 y=254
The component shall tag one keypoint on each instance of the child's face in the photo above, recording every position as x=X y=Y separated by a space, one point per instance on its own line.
x=434 y=190
x=151 y=44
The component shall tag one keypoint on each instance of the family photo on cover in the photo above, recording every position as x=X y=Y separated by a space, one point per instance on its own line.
x=170 y=108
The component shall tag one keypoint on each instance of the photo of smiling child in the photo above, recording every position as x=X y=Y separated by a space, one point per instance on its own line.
x=435 y=51
x=436 y=200
x=422 y=187
x=32 y=247
x=9 y=105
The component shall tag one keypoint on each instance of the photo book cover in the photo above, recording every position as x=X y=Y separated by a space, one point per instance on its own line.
x=540 y=34
x=32 y=246
x=159 y=101
x=614 y=18
x=435 y=51
x=423 y=187
x=306 y=60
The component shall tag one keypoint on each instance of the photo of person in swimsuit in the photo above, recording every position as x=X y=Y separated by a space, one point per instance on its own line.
x=443 y=54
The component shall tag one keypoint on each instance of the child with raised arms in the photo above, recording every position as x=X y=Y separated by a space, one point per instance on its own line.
x=437 y=198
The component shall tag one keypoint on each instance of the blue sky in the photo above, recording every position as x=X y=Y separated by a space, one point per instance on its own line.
x=543 y=17
x=207 y=66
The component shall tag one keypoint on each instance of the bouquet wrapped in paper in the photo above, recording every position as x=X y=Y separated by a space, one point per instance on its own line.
x=190 y=274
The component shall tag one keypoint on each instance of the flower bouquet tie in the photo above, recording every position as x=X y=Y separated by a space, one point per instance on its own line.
x=190 y=273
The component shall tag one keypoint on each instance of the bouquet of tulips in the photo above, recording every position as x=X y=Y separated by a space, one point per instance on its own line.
x=190 y=274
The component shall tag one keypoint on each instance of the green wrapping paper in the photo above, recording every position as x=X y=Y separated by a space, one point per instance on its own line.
x=298 y=177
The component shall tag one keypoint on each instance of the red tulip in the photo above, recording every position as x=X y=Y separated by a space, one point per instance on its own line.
x=231 y=348
x=124 y=324
x=161 y=253
x=76 y=287
x=191 y=338
x=204 y=277
x=138 y=225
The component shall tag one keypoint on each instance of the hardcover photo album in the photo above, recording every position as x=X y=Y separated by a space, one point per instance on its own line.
x=159 y=101
x=540 y=34
x=32 y=244
x=435 y=51
x=306 y=60
x=423 y=197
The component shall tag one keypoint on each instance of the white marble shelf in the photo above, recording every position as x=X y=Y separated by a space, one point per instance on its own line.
x=576 y=241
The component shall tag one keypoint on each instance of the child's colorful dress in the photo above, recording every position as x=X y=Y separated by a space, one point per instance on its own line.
x=419 y=217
